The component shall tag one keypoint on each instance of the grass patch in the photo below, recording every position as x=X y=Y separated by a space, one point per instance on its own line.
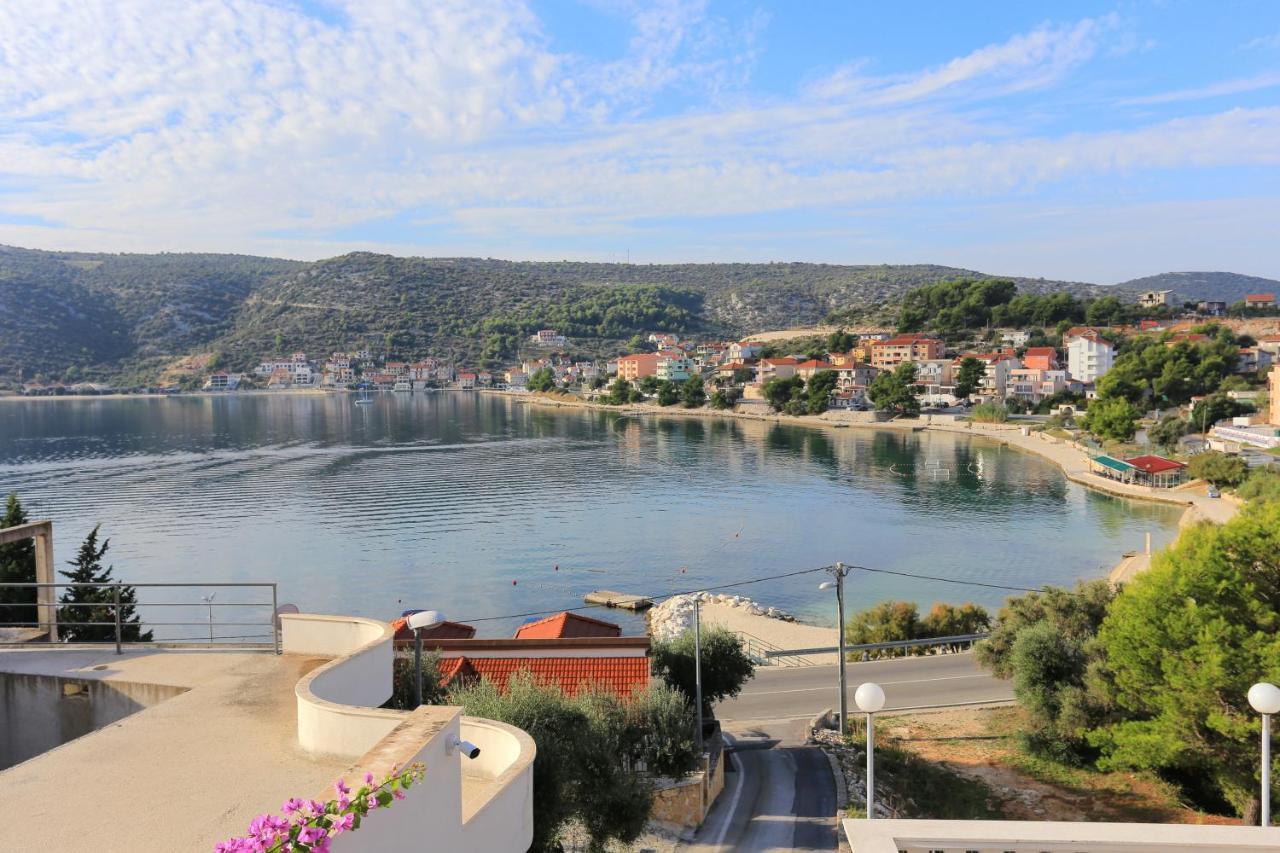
x=915 y=787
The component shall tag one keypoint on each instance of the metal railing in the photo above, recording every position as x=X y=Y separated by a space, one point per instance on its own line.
x=248 y=625
x=766 y=652
x=958 y=640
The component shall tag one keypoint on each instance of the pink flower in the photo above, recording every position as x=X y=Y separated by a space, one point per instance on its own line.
x=292 y=805
x=371 y=801
x=398 y=794
x=316 y=808
x=341 y=787
x=342 y=824
x=368 y=778
x=311 y=834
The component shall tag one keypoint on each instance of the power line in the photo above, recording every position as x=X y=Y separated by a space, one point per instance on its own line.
x=658 y=597
x=734 y=584
x=947 y=580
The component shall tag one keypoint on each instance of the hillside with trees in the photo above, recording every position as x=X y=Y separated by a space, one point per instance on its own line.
x=1226 y=287
x=126 y=317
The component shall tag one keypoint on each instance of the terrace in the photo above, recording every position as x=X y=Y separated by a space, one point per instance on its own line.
x=986 y=836
x=176 y=746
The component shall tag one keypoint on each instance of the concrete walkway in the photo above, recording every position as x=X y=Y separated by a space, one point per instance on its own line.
x=1075 y=465
x=779 y=795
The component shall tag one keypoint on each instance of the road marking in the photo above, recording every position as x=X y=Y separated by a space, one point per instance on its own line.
x=733 y=802
x=881 y=683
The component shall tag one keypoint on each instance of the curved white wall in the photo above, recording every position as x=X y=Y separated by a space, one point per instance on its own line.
x=338 y=702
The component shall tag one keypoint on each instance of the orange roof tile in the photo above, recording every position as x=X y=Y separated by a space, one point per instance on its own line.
x=443 y=631
x=563 y=625
x=621 y=676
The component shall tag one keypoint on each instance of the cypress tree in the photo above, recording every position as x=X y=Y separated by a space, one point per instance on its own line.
x=82 y=605
x=17 y=565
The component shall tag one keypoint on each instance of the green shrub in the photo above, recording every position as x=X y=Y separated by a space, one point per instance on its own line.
x=1261 y=484
x=990 y=413
x=1218 y=468
x=725 y=665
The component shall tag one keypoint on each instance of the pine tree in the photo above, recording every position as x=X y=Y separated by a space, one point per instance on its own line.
x=83 y=606
x=17 y=565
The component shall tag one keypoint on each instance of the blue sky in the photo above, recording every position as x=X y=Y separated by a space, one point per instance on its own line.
x=1093 y=141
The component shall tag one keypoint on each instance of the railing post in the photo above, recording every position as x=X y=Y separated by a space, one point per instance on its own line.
x=115 y=595
x=275 y=620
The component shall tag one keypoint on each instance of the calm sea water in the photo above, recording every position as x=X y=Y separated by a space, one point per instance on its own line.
x=483 y=506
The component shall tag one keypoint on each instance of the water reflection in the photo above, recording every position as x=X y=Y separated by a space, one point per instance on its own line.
x=470 y=502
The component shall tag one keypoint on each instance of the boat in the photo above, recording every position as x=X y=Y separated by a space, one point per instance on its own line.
x=363 y=399
x=402 y=385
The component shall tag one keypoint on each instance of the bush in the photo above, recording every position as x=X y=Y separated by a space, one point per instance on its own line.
x=725 y=665
x=990 y=413
x=894 y=621
x=1218 y=468
x=1044 y=642
x=1114 y=419
x=403 y=686
x=591 y=749
x=1183 y=643
x=1261 y=484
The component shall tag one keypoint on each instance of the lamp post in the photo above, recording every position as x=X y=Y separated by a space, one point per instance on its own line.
x=1265 y=699
x=870 y=698
x=697 y=664
x=416 y=622
x=208 y=600
x=840 y=570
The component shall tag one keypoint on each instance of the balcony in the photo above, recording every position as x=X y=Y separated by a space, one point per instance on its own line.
x=228 y=734
x=987 y=836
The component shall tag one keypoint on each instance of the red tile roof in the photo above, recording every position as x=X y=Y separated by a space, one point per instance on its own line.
x=1045 y=351
x=904 y=340
x=564 y=625
x=621 y=676
x=811 y=364
x=443 y=631
x=1154 y=464
x=1260 y=297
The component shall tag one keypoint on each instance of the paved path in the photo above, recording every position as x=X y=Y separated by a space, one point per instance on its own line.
x=779 y=795
x=919 y=682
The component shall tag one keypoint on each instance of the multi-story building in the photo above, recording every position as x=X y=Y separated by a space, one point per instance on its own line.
x=1212 y=308
x=673 y=368
x=1089 y=354
x=806 y=369
x=638 y=365
x=1260 y=300
x=467 y=381
x=1155 y=298
x=777 y=368
x=1040 y=358
x=548 y=338
x=743 y=350
x=1253 y=360
x=1034 y=384
x=223 y=381
x=854 y=374
x=888 y=354
x=1273 y=386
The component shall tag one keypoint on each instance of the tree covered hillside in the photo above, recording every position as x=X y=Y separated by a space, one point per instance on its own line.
x=70 y=315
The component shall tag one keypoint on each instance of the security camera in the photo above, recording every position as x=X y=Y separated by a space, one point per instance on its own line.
x=466 y=747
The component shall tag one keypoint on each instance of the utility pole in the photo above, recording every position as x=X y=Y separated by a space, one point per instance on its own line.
x=697 y=664
x=839 y=570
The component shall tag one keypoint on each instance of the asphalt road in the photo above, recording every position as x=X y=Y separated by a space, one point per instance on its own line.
x=783 y=693
x=778 y=795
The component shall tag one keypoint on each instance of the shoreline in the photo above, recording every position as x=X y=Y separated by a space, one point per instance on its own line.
x=1066 y=456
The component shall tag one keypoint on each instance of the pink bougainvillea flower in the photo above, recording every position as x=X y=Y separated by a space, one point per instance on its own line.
x=368 y=778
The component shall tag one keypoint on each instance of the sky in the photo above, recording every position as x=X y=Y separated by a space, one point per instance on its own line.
x=1094 y=141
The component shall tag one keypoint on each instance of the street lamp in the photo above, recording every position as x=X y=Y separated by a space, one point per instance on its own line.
x=870 y=698
x=1265 y=699
x=840 y=570
x=416 y=622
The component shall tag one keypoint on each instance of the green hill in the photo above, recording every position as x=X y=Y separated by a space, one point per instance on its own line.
x=126 y=317
x=1226 y=287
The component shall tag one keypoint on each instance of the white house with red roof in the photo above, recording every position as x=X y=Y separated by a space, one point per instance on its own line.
x=1089 y=354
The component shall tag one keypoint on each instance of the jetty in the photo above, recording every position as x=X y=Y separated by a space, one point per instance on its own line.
x=610 y=598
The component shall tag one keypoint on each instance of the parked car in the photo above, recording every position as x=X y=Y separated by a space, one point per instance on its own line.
x=1214 y=493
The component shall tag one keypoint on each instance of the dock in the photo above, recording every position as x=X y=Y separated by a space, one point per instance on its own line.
x=609 y=598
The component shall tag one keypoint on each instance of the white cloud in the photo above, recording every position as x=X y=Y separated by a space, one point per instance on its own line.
x=246 y=125
x=1214 y=90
